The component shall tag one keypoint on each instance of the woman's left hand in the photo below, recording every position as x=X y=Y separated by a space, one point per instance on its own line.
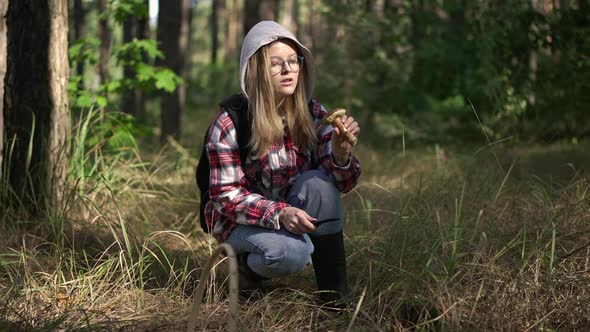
x=340 y=146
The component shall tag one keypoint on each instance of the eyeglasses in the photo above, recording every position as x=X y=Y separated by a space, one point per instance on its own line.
x=293 y=64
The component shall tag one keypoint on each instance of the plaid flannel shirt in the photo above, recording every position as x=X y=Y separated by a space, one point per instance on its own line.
x=255 y=193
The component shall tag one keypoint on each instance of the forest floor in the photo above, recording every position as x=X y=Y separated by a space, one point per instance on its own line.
x=456 y=238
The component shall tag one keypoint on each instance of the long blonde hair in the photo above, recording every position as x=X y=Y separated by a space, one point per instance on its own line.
x=267 y=124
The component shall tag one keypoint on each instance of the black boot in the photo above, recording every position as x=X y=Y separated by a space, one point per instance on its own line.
x=329 y=264
x=250 y=282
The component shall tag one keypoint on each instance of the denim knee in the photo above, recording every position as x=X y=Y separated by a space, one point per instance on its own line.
x=316 y=193
x=282 y=260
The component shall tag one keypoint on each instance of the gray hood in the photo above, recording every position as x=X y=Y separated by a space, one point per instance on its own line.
x=265 y=33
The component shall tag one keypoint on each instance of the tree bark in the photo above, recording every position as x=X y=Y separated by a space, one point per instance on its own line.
x=533 y=62
x=231 y=35
x=259 y=10
x=79 y=17
x=289 y=20
x=133 y=100
x=60 y=126
x=216 y=6
x=104 y=34
x=268 y=9
x=313 y=24
x=173 y=33
x=297 y=20
x=143 y=27
x=3 y=40
x=251 y=14
x=128 y=97
x=142 y=32
x=416 y=36
x=36 y=101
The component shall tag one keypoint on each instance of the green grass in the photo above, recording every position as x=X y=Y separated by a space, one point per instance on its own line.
x=437 y=237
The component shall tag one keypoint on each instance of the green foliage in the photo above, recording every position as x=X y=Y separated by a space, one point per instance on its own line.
x=122 y=9
x=84 y=51
x=138 y=56
x=432 y=60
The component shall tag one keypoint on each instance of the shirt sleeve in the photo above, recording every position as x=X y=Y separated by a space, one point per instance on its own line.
x=227 y=184
x=345 y=177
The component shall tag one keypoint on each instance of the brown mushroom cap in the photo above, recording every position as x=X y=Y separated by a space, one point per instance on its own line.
x=333 y=115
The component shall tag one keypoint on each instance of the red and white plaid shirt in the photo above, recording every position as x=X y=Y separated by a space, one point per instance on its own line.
x=256 y=192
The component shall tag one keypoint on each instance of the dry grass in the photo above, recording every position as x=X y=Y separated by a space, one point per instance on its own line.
x=436 y=239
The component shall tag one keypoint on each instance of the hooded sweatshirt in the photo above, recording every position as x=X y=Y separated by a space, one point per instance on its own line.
x=265 y=33
x=253 y=193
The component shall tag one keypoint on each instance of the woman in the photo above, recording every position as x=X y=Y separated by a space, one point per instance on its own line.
x=281 y=206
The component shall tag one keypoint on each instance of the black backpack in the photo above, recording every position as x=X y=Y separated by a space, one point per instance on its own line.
x=236 y=107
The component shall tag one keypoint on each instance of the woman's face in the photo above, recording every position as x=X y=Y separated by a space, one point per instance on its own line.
x=284 y=68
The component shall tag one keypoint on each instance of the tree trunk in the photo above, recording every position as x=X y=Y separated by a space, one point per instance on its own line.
x=134 y=99
x=36 y=101
x=251 y=14
x=297 y=20
x=128 y=97
x=259 y=10
x=79 y=17
x=104 y=34
x=231 y=35
x=173 y=33
x=3 y=40
x=313 y=24
x=531 y=98
x=416 y=36
x=289 y=20
x=142 y=32
x=215 y=8
x=268 y=9
x=143 y=27
x=189 y=36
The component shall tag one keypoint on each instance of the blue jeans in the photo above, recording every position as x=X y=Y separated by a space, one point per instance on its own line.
x=276 y=253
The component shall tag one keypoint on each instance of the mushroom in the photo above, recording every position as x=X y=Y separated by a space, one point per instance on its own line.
x=333 y=118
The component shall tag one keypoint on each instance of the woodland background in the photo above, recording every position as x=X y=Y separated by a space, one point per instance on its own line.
x=473 y=208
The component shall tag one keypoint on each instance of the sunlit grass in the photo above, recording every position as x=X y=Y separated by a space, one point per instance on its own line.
x=436 y=237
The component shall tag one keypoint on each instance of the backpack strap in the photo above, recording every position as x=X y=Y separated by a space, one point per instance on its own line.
x=236 y=107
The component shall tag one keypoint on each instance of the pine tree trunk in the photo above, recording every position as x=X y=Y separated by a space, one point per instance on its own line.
x=269 y=10
x=533 y=62
x=128 y=96
x=104 y=34
x=416 y=36
x=259 y=10
x=215 y=8
x=231 y=36
x=173 y=34
x=296 y=20
x=313 y=24
x=288 y=19
x=79 y=16
x=3 y=40
x=142 y=32
x=251 y=14
x=59 y=125
x=143 y=27
x=36 y=101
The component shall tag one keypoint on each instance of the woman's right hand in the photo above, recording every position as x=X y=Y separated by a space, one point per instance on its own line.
x=296 y=220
